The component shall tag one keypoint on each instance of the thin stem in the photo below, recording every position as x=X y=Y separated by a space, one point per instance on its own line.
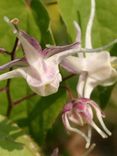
x=5 y=52
x=8 y=97
x=23 y=98
x=14 y=49
x=10 y=103
x=69 y=93
x=3 y=89
x=68 y=77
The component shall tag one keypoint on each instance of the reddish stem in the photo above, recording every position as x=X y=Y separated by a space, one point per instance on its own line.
x=10 y=103
x=69 y=93
x=3 y=89
x=23 y=98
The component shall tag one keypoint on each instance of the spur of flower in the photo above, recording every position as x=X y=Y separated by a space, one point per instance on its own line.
x=42 y=69
x=80 y=112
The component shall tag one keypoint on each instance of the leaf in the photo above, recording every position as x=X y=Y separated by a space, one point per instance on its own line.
x=79 y=11
x=104 y=27
x=43 y=114
x=56 y=23
x=102 y=95
x=14 y=141
x=68 y=19
x=43 y=21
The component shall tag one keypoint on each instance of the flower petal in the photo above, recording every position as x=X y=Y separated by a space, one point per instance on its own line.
x=57 y=49
x=31 y=47
x=44 y=82
x=73 y=64
x=78 y=32
x=14 y=73
x=111 y=80
x=16 y=62
x=98 y=65
x=47 y=52
x=81 y=84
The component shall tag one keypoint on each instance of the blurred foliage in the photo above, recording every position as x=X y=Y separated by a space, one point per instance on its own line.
x=14 y=141
x=50 y=22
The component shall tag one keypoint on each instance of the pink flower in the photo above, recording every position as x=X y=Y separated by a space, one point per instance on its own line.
x=80 y=112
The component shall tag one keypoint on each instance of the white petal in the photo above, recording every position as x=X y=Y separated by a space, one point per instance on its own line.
x=61 y=56
x=85 y=85
x=46 y=82
x=31 y=50
x=73 y=64
x=14 y=73
x=78 y=32
x=111 y=80
x=89 y=86
x=99 y=65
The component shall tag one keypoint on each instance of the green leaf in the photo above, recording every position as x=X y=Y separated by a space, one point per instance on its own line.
x=104 y=27
x=102 y=95
x=68 y=19
x=43 y=21
x=14 y=141
x=43 y=114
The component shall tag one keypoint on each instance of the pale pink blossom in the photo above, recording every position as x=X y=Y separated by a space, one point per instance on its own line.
x=80 y=112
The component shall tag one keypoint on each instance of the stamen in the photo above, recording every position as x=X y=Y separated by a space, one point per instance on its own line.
x=99 y=116
x=69 y=128
x=72 y=119
x=98 y=130
x=80 y=118
x=102 y=123
x=89 y=136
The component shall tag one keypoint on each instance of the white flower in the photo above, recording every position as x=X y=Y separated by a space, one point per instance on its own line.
x=80 y=112
x=94 y=68
x=42 y=70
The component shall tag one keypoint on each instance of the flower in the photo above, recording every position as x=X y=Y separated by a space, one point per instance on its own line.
x=80 y=112
x=94 y=68
x=42 y=70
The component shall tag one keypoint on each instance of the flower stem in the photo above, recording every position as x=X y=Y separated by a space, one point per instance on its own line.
x=69 y=92
x=8 y=94
x=23 y=98
x=68 y=77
